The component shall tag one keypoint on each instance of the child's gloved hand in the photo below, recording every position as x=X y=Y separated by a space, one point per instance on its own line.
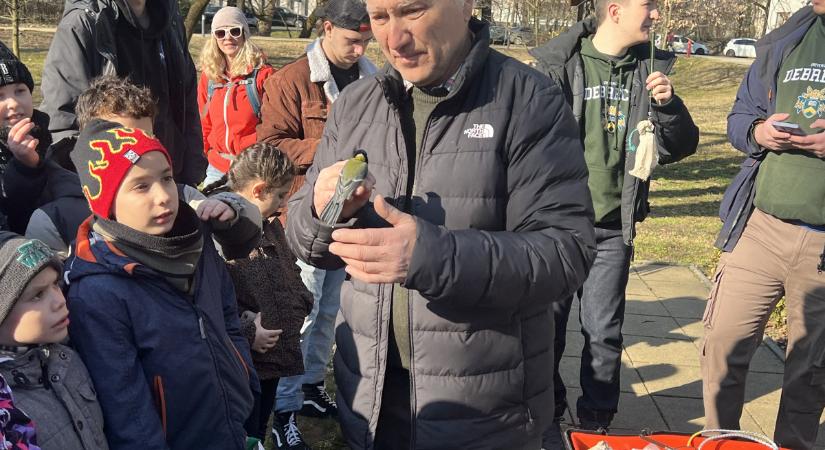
x=22 y=145
x=211 y=208
x=264 y=339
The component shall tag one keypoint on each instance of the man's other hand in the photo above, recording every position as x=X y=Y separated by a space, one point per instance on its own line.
x=378 y=255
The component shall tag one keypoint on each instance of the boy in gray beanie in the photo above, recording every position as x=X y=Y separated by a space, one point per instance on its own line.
x=49 y=380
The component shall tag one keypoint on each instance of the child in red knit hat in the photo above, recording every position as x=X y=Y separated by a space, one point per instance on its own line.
x=154 y=312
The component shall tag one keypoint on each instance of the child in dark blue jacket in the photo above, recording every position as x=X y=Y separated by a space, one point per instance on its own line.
x=153 y=309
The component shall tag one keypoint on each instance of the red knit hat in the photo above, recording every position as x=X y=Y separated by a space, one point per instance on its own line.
x=103 y=155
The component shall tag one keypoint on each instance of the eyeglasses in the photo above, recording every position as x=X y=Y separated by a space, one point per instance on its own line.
x=235 y=32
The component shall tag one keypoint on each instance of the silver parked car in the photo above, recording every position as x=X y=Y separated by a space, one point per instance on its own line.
x=499 y=35
x=521 y=36
x=679 y=44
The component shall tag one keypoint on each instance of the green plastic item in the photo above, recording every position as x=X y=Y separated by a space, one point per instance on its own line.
x=254 y=444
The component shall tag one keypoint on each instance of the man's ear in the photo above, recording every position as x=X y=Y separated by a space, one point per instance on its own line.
x=614 y=11
x=327 y=25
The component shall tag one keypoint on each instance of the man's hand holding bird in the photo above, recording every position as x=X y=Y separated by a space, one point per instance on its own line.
x=372 y=255
x=342 y=189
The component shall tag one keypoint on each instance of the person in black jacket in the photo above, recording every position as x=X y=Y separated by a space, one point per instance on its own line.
x=614 y=85
x=24 y=143
x=481 y=218
x=139 y=39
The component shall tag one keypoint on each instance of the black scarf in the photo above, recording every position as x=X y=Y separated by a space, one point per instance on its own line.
x=174 y=255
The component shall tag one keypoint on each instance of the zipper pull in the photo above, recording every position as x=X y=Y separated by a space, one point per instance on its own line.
x=200 y=325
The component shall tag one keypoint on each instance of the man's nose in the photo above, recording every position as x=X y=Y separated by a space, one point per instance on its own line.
x=398 y=35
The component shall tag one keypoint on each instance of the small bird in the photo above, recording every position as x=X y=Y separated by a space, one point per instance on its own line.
x=353 y=173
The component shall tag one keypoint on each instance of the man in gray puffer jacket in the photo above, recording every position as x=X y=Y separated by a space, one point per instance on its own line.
x=445 y=332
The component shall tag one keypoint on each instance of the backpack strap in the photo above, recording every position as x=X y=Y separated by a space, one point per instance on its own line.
x=210 y=90
x=252 y=92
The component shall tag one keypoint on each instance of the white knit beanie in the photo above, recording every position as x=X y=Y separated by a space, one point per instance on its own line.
x=230 y=16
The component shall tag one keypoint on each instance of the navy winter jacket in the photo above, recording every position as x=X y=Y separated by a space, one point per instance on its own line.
x=172 y=371
x=756 y=100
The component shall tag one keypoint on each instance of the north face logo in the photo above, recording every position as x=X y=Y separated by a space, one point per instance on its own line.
x=480 y=131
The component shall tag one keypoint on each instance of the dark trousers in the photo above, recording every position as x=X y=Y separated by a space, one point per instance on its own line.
x=394 y=422
x=601 y=313
x=256 y=423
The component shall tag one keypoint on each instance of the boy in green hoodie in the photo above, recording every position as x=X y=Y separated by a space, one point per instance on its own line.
x=612 y=81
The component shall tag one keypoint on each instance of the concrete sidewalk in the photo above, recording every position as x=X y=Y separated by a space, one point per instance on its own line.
x=661 y=380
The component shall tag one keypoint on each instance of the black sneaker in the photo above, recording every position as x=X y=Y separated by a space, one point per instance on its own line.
x=552 y=439
x=285 y=432
x=317 y=403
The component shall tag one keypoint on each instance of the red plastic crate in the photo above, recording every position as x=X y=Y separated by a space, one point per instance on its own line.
x=584 y=440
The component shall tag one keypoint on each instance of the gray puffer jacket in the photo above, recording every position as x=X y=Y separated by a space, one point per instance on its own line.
x=504 y=228
x=51 y=384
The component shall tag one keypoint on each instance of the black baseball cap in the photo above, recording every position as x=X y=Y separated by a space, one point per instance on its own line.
x=349 y=14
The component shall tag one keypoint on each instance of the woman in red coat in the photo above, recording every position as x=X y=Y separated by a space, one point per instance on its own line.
x=229 y=92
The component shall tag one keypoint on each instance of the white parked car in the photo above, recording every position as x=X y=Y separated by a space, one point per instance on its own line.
x=679 y=44
x=741 y=47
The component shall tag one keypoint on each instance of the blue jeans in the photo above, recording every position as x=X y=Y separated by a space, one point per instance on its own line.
x=317 y=334
x=601 y=313
x=212 y=175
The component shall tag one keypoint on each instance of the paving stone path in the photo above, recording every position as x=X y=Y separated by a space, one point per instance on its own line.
x=661 y=380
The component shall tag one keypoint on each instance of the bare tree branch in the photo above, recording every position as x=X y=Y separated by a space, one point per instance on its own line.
x=193 y=16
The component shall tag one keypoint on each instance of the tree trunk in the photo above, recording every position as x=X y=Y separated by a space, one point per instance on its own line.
x=767 y=17
x=265 y=21
x=240 y=4
x=15 y=27
x=309 y=26
x=193 y=18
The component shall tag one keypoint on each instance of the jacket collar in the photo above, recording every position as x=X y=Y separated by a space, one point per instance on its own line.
x=93 y=5
x=319 y=71
x=560 y=50
x=801 y=19
x=774 y=46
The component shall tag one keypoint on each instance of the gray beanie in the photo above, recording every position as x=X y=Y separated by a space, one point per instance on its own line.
x=230 y=16
x=21 y=259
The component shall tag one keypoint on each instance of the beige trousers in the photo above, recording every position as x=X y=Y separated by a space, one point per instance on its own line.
x=772 y=258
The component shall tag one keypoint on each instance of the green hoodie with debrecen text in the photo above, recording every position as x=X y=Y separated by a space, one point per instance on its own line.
x=604 y=126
